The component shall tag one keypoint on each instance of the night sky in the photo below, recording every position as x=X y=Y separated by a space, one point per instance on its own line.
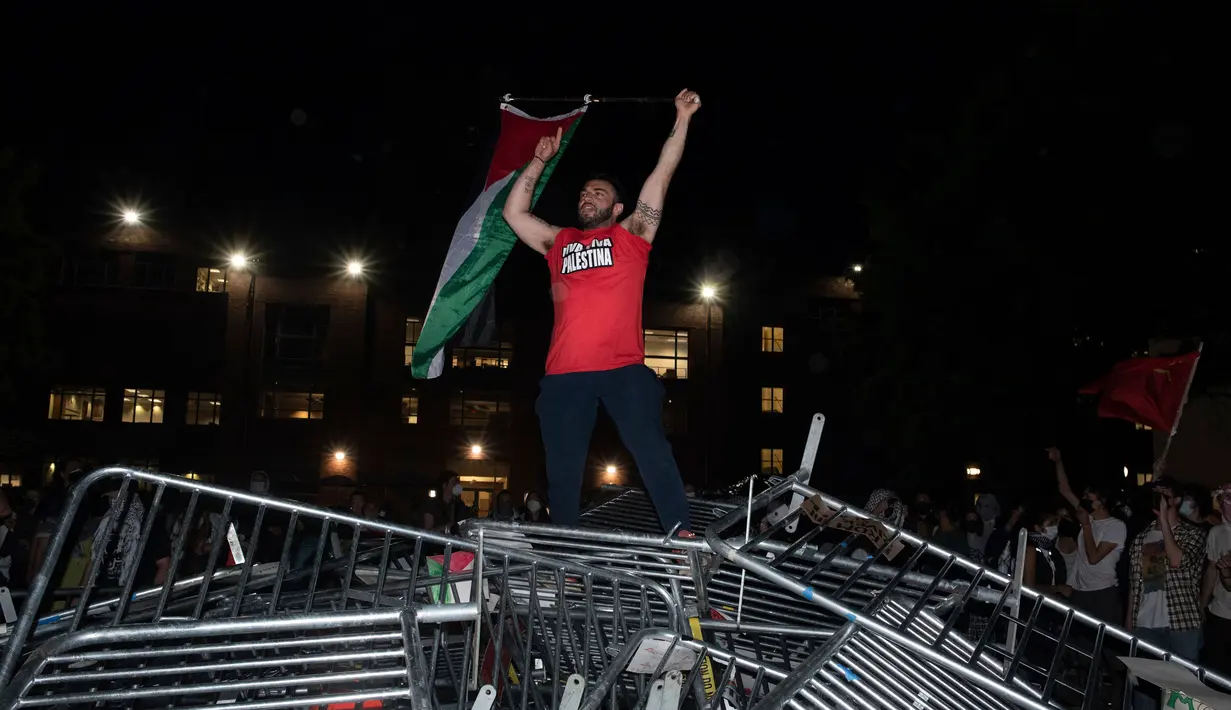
x=1025 y=187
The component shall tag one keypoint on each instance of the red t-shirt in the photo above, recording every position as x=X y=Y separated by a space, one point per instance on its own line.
x=597 y=281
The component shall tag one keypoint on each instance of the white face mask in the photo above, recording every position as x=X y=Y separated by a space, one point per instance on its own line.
x=457 y=490
x=1051 y=532
x=534 y=506
x=1187 y=508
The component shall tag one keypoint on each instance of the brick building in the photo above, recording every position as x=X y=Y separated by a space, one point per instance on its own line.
x=167 y=356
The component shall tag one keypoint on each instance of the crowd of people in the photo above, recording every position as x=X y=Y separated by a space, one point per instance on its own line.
x=1160 y=569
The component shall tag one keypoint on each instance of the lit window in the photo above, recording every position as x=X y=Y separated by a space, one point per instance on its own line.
x=771 y=400
x=143 y=406
x=292 y=405
x=480 y=491
x=475 y=410
x=1144 y=478
x=202 y=477
x=1143 y=427
x=666 y=353
x=79 y=404
x=10 y=479
x=414 y=328
x=771 y=339
x=210 y=280
x=771 y=461
x=497 y=357
x=204 y=408
x=410 y=410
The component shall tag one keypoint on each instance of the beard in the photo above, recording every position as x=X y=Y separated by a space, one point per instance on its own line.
x=594 y=219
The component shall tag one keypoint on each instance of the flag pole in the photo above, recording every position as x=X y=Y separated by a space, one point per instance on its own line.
x=589 y=99
x=1175 y=426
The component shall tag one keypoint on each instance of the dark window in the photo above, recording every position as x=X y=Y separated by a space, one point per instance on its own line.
x=102 y=269
x=414 y=328
x=153 y=271
x=295 y=335
x=204 y=408
x=477 y=410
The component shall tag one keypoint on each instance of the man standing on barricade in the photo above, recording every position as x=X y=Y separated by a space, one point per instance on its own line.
x=598 y=345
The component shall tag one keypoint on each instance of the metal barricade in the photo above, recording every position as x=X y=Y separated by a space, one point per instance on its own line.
x=661 y=670
x=848 y=668
x=910 y=599
x=328 y=660
x=535 y=621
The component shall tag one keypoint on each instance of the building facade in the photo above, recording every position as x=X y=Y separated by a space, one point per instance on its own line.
x=164 y=354
x=793 y=350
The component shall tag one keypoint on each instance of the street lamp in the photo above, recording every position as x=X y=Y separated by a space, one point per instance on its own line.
x=354 y=267
x=611 y=470
x=857 y=268
x=476 y=450
x=239 y=260
x=131 y=217
x=709 y=292
x=339 y=455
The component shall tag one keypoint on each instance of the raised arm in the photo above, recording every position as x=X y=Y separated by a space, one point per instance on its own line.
x=537 y=234
x=1062 y=478
x=648 y=213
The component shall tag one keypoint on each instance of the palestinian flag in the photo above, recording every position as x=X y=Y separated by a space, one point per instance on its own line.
x=483 y=239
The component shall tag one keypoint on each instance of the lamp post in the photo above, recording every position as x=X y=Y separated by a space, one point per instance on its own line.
x=239 y=261
x=708 y=294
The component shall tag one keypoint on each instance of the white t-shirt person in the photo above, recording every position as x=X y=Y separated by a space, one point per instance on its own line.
x=1152 y=610
x=1216 y=545
x=1088 y=577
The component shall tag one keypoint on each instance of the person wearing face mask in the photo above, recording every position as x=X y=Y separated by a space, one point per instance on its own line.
x=1165 y=562
x=535 y=512
x=1215 y=593
x=1043 y=568
x=1094 y=581
x=1195 y=507
x=447 y=508
x=1066 y=543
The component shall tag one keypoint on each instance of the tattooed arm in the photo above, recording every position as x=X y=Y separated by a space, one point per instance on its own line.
x=649 y=209
x=537 y=234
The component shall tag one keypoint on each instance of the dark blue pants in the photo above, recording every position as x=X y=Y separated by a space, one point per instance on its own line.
x=633 y=396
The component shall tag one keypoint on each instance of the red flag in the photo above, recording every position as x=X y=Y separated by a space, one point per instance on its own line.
x=1145 y=390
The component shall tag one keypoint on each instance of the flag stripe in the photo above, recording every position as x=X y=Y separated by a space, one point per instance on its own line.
x=483 y=240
